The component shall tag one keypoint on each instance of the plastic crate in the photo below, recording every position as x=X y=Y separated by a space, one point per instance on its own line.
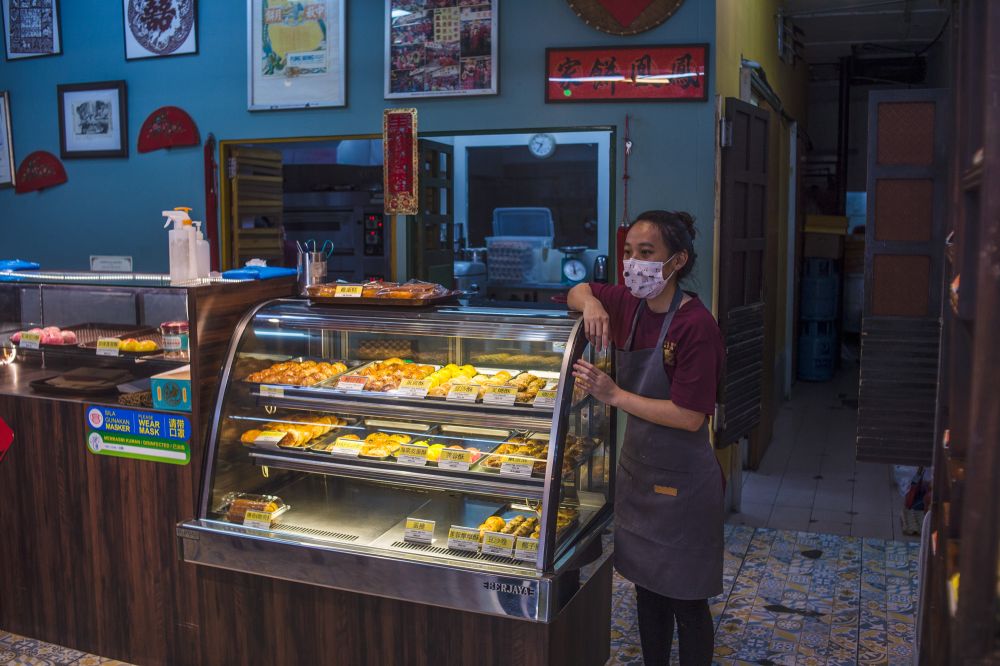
x=516 y=258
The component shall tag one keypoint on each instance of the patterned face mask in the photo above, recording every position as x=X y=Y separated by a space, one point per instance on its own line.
x=645 y=278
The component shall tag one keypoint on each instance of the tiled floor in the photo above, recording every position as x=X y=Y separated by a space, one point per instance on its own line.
x=809 y=480
x=18 y=650
x=800 y=598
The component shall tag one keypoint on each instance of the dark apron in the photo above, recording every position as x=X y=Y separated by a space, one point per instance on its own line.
x=669 y=497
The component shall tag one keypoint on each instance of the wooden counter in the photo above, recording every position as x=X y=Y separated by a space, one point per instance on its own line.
x=88 y=550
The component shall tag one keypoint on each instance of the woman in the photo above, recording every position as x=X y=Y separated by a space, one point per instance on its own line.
x=669 y=496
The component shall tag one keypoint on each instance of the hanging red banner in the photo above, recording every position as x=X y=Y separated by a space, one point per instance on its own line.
x=6 y=438
x=400 y=173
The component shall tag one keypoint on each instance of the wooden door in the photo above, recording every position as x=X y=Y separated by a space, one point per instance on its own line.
x=742 y=243
x=431 y=231
x=256 y=195
x=901 y=324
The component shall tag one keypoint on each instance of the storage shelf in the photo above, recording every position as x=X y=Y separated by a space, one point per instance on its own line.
x=436 y=478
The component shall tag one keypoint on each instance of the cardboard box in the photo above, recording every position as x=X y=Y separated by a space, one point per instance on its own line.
x=826 y=246
x=172 y=390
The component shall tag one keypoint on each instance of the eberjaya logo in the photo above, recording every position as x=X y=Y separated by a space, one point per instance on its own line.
x=522 y=590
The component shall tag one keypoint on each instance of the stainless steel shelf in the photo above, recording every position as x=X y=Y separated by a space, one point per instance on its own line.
x=433 y=478
x=418 y=409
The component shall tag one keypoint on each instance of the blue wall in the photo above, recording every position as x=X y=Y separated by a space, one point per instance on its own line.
x=112 y=206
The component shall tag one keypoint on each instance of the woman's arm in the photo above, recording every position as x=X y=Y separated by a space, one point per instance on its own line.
x=596 y=322
x=661 y=412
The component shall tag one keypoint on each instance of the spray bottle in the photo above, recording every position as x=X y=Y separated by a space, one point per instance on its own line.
x=204 y=264
x=181 y=244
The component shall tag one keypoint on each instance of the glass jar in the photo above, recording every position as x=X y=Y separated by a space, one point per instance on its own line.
x=175 y=340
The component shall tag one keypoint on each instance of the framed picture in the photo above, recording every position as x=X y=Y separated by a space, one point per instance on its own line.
x=7 y=167
x=295 y=54
x=668 y=73
x=157 y=28
x=93 y=120
x=440 y=48
x=31 y=28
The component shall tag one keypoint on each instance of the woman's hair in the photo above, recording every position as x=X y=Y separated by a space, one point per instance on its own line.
x=677 y=230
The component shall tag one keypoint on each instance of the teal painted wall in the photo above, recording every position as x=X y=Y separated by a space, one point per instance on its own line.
x=112 y=206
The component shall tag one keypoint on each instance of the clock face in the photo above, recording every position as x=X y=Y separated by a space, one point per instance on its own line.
x=542 y=145
x=574 y=270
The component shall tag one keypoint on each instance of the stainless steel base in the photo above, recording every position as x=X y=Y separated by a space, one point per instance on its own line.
x=490 y=587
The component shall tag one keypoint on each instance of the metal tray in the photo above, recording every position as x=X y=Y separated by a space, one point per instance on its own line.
x=152 y=335
x=300 y=359
x=91 y=333
x=43 y=386
x=310 y=443
x=387 y=302
x=368 y=427
x=481 y=466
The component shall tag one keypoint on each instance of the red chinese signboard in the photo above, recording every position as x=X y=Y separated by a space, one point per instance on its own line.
x=6 y=438
x=627 y=73
x=399 y=145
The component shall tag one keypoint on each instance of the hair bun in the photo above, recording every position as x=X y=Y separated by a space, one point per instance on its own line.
x=687 y=220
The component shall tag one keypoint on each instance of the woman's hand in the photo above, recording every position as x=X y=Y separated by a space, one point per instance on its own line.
x=596 y=324
x=596 y=383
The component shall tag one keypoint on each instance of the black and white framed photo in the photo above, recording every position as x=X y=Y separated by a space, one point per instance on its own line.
x=158 y=28
x=93 y=120
x=295 y=54
x=440 y=48
x=31 y=28
x=7 y=167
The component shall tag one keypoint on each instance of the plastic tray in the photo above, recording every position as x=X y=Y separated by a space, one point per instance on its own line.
x=229 y=498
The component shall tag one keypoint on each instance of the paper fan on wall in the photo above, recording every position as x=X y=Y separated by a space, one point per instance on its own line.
x=39 y=170
x=168 y=127
x=624 y=17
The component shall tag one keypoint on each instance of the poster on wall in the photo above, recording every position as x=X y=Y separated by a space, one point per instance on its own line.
x=31 y=28
x=158 y=28
x=6 y=143
x=400 y=172
x=93 y=120
x=437 y=48
x=667 y=73
x=295 y=54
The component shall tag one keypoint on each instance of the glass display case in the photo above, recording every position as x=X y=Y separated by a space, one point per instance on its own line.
x=437 y=455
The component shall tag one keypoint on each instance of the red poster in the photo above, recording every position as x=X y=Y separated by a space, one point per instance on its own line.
x=6 y=438
x=627 y=73
x=399 y=145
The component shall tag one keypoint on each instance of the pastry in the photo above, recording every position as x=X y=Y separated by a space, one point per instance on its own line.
x=491 y=524
x=305 y=373
x=298 y=431
x=238 y=508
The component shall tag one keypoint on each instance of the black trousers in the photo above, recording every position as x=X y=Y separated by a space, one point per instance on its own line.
x=695 y=632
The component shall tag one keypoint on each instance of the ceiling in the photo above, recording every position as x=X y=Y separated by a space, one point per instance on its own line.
x=832 y=27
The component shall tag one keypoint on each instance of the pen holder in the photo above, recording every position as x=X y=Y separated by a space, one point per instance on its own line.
x=311 y=270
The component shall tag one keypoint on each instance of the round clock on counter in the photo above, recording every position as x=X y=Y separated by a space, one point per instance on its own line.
x=542 y=145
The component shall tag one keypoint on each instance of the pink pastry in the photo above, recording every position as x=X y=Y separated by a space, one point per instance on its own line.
x=16 y=338
x=68 y=338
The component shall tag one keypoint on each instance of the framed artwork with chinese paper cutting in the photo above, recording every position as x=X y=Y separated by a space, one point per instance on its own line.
x=665 y=73
x=158 y=28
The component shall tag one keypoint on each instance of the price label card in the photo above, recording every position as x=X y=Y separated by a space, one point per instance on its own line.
x=545 y=398
x=459 y=459
x=272 y=391
x=30 y=340
x=348 y=291
x=463 y=393
x=414 y=388
x=108 y=346
x=500 y=395
x=352 y=383
x=268 y=439
x=526 y=549
x=258 y=519
x=347 y=447
x=517 y=466
x=498 y=544
x=463 y=538
x=412 y=454
x=419 y=531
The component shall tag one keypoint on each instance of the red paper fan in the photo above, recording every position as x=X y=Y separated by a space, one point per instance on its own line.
x=39 y=170
x=167 y=127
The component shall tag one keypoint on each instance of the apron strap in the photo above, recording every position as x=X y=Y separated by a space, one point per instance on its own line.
x=674 y=307
x=635 y=323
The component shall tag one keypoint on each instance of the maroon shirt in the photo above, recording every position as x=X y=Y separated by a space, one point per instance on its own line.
x=693 y=349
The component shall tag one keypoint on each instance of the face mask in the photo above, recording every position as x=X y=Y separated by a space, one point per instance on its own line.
x=645 y=278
